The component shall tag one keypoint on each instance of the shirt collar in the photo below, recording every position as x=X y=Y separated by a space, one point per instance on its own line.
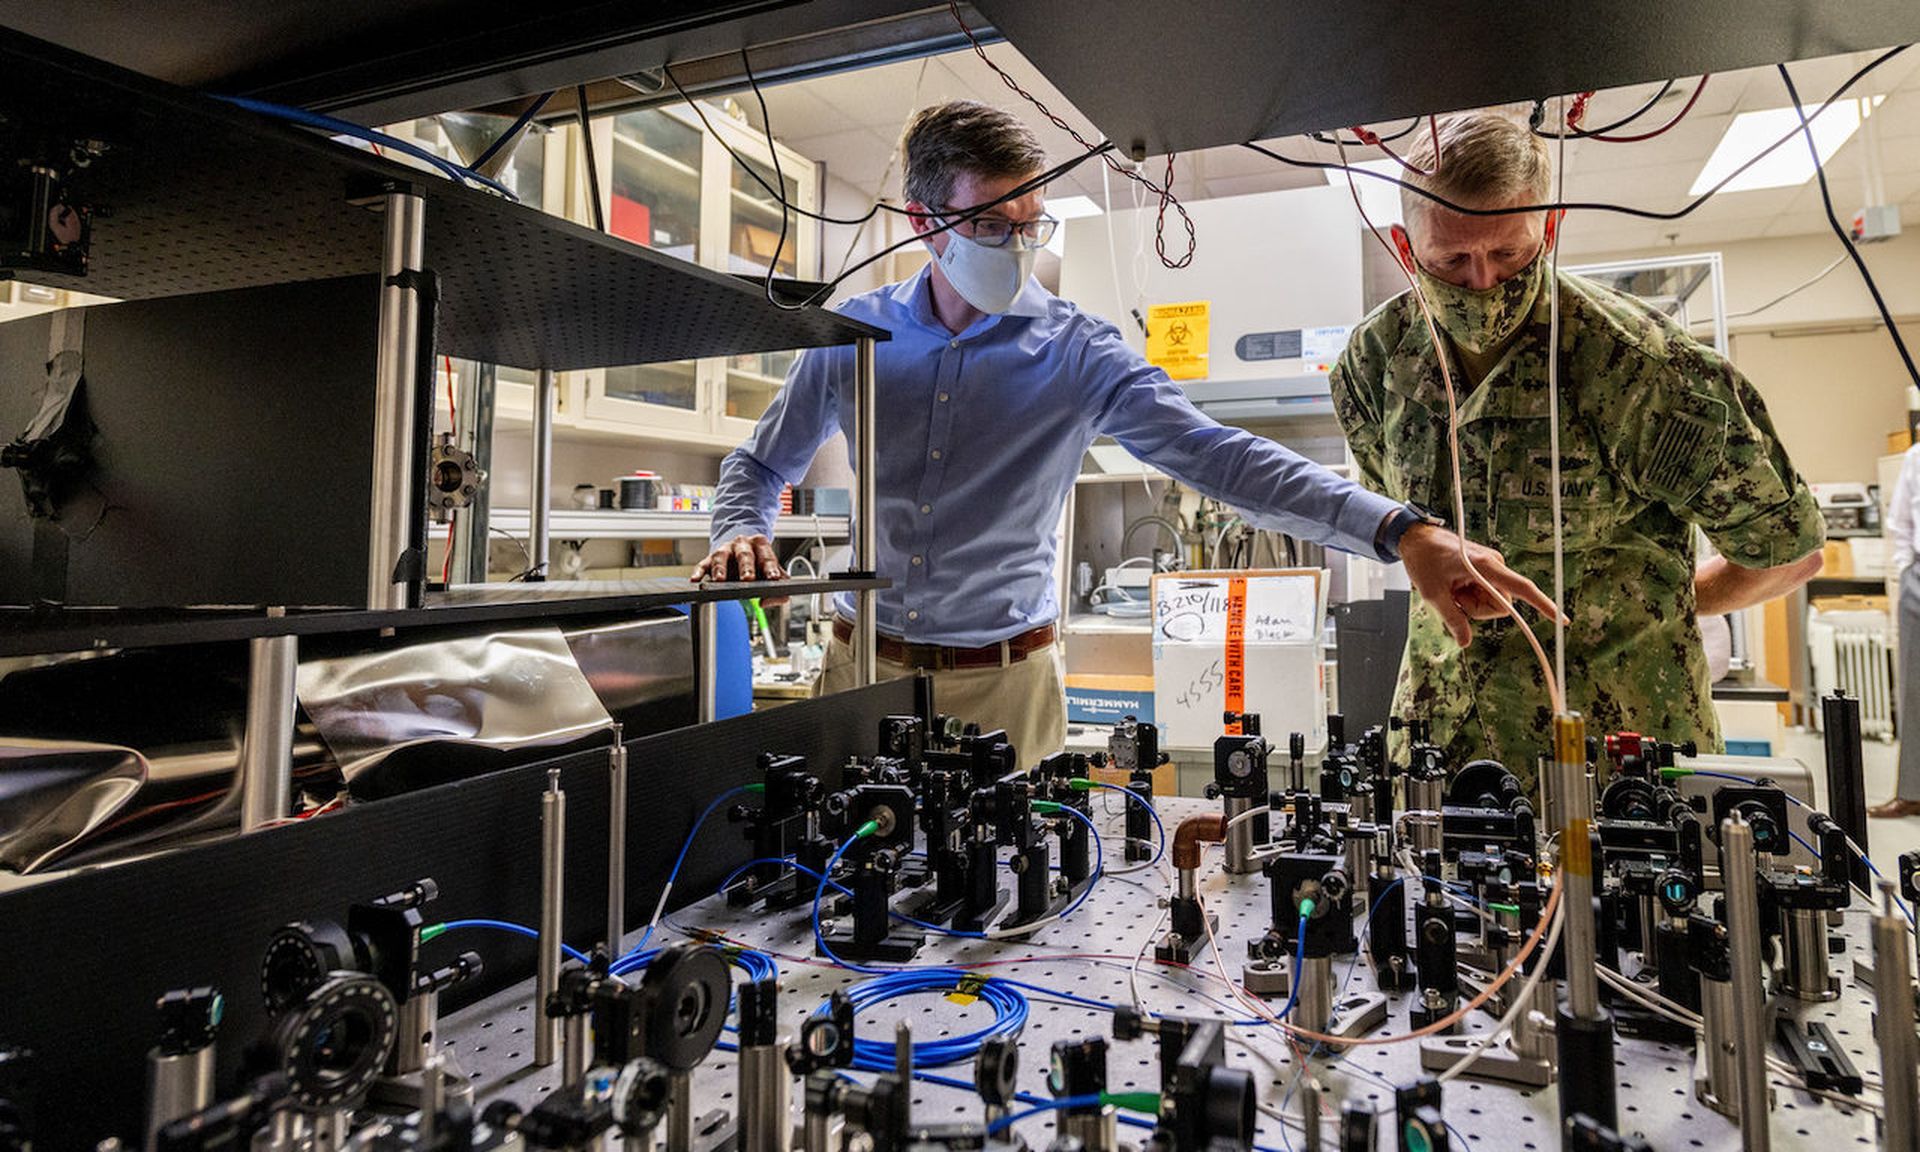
x=915 y=294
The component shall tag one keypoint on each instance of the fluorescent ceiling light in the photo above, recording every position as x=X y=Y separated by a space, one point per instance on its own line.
x=1068 y=208
x=1380 y=199
x=1788 y=164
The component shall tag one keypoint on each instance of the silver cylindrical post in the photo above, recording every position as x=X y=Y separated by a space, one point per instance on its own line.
x=1425 y=794
x=680 y=1112
x=1310 y=1112
x=866 y=552
x=1097 y=1130
x=1186 y=884
x=1804 y=972
x=617 y=840
x=1583 y=981
x=706 y=660
x=553 y=872
x=413 y=1045
x=540 y=493
x=396 y=465
x=573 y=1049
x=766 y=1121
x=178 y=1084
x=1893 y=1029
x=1739 y=877
x=266 y=747
x=1239 y=848
x=1718 y=1056
x=1532 y=1029
x=1316 y=993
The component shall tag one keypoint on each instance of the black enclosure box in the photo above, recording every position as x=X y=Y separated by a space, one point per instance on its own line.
x=233 y=460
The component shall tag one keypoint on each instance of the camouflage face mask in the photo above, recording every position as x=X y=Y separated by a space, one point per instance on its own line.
x=1478 y=320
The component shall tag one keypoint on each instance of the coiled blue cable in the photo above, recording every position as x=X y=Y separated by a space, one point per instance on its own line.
x=1009 y=1015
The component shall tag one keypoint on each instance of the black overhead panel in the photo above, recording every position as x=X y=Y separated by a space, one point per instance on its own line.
x=1170 y=78
x=382 y=62
x=192 y=195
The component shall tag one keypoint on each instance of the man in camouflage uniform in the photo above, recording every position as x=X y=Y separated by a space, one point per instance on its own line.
x=1657 y=434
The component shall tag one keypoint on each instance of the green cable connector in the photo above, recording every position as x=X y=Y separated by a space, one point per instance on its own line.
x=1513 y=908
x=1046 y=807
x=759 y=616
x=1080 y=784
x=1148 y=1102
x=1671 y=773
x=431 y=931
x=754 y=787
x=867 y=829
x=1306 y=908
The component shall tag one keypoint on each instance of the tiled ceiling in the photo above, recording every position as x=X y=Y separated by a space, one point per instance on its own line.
x=851 y=122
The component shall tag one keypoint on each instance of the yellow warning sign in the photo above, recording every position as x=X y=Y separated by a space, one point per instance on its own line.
x=1177 y=339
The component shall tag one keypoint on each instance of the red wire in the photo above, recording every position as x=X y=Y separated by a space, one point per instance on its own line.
x=1576 y=113
x=162 y=807
x=452 y=418
x=1664 y=128
x=1366 y=136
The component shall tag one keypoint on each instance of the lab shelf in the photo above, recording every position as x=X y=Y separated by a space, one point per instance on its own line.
x=613 y=524
x=197 y=196
x=30 y=632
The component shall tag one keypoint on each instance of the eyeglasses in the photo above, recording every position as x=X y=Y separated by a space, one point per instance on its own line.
x=995 y=231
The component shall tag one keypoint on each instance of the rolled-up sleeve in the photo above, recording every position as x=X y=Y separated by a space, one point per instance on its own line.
x=1272 y=486
x=804 y=413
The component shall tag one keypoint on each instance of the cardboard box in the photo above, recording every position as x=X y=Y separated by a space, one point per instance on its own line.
x=1899 y=442
x=1836 y=559
x=1277 y=653
x=1094 y=698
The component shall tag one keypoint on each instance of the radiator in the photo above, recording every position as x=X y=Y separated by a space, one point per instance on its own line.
x=1850 y=651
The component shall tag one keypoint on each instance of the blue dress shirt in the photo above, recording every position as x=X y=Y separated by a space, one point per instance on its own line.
x=978 y=440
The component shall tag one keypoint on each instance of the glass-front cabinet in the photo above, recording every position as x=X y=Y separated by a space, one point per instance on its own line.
x=670 y=184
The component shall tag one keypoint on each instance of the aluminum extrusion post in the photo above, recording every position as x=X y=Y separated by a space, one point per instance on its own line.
x=266 y=745
x=1583 y=1029
x=540 y=495
x=706 y=660
x=617 y=839
x=866 y=553
x=553 y=874
x=1846 y=783
x=396 y=466
x=1739 y=875
x=1893 y=1029
x=1310 y=1112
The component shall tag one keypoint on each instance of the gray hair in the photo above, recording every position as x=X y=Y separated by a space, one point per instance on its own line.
x=1487 y=160
x=965 y=136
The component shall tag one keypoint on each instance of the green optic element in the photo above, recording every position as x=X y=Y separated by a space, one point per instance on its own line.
x=431 y=931
x=754 y=787
x=1148 y=1102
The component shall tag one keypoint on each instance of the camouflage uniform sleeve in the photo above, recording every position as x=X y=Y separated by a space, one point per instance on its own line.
x=1702 y=443
x=1355 y=383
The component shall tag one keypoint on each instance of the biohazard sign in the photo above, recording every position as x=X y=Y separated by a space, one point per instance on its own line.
x=1177 y=339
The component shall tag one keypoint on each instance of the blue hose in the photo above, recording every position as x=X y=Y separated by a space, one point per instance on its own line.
x=340 y=127
x=1159 y=849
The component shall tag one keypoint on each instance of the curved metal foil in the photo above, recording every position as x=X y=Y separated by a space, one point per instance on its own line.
x=505 y=691
x=55 y=793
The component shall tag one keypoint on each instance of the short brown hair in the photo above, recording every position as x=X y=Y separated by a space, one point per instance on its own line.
x=945 y=140
x=1487 y=160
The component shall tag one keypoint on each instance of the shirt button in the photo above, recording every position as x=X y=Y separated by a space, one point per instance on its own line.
x=917 y=561
x=943 y=397
x=913 y=615
x=936 y=453
x=953 y=343
x=925 y=509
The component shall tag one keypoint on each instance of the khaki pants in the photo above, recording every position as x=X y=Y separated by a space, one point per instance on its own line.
x=1026 y=697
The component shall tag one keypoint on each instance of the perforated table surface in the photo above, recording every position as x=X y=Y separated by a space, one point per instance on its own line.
x=1089 y=956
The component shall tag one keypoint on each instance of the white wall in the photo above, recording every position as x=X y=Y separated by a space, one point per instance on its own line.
x=1822 y=361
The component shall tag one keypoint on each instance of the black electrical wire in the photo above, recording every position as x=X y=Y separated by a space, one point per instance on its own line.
x=1582 y=205
x=508 y=137
x=1540 y=111
x=593 y=168
x=779 y=178
x=1846 y=240
x=1413 y=126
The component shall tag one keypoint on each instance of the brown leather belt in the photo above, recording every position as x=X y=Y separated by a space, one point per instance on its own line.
x=938 y=658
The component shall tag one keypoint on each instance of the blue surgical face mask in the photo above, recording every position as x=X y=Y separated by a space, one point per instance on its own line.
x=990 y=279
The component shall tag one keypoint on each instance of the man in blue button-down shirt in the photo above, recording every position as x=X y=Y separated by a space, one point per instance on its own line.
x=989 y=393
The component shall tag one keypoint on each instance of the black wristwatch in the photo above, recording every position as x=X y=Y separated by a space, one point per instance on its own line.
x=1396 y=525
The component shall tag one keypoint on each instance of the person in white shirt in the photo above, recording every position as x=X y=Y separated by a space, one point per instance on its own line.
x=1903 y=516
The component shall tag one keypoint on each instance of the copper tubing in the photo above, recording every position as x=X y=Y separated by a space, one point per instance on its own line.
x=1193 y=832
